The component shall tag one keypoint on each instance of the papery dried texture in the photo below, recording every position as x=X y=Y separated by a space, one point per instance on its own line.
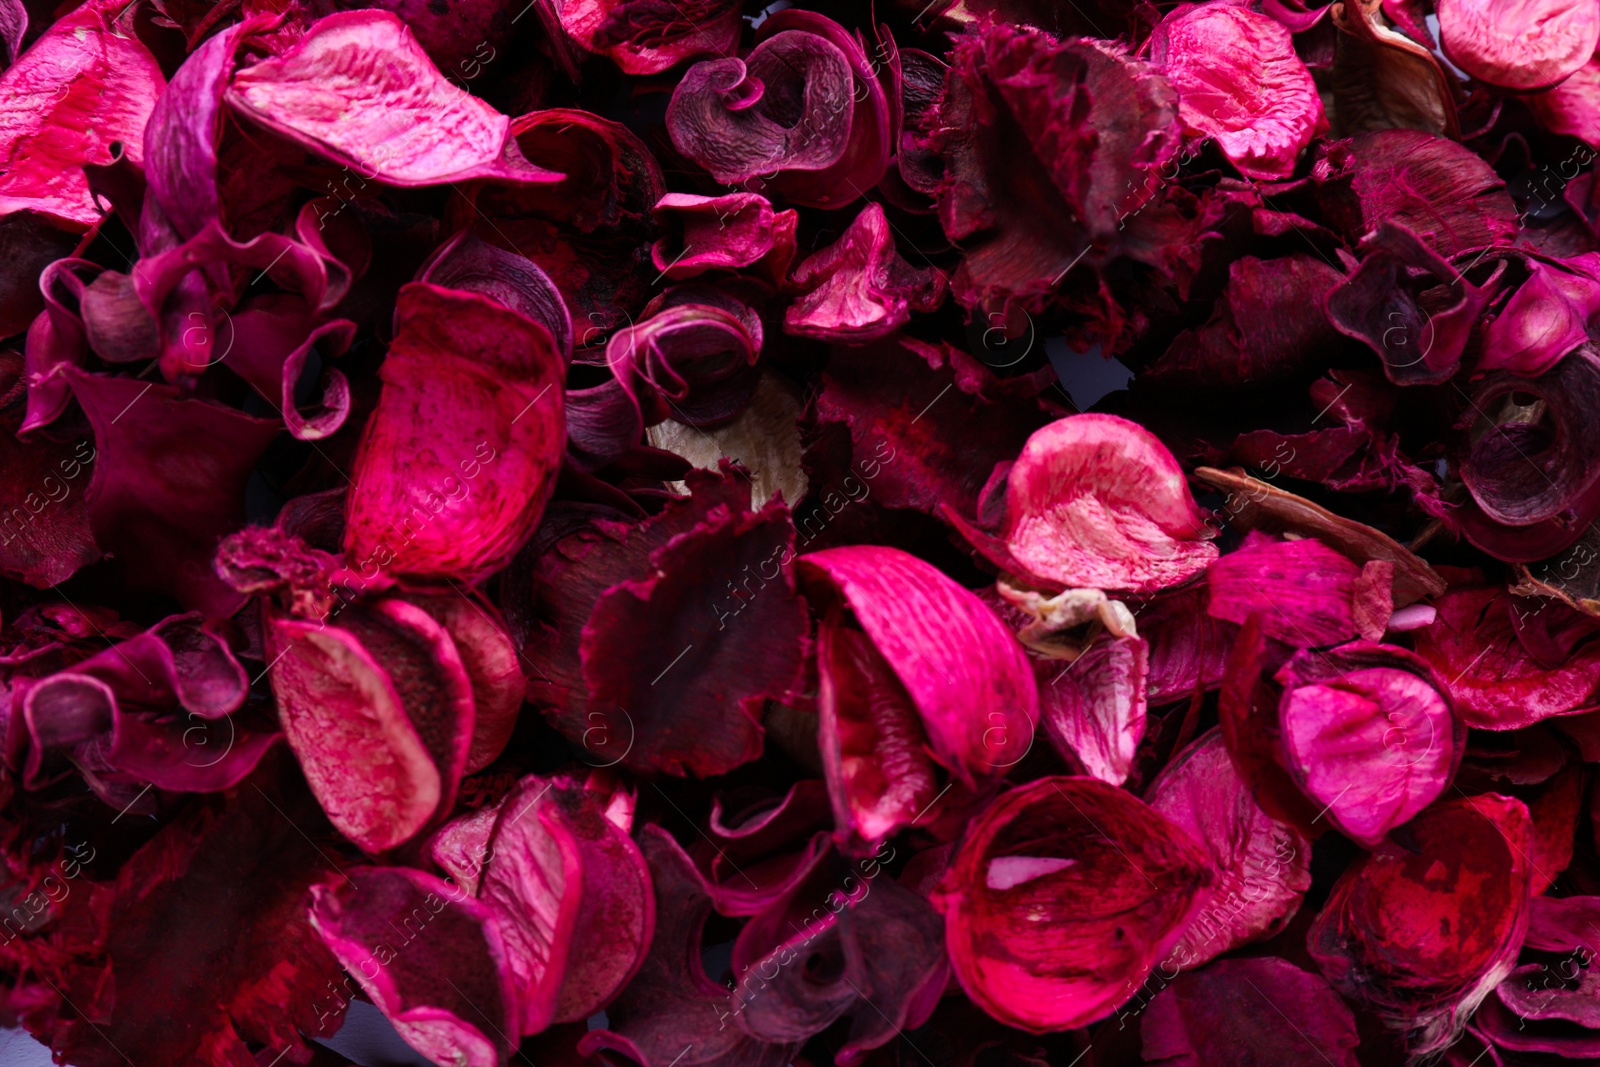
x=1048 y=146
x=643 y=37
x=692 y=362
x=467 y=383
x=1367 y=732
x=1434 y=187
x=1232 y=1015
x=635 y=625
x=1240 y=82
x=1256 y=505
x=979 y=710
x=1532 y=44
x=1305 y=592
x=1247 y=713
x=168 y=482
x=1188 y=648
x=571 y=898
x=1113 y=882
x=157 y=708
x=1464 y=863
x=1497 y=685
x=609 y=178
x=180 y=142
x=463 y=38
x=1093 y=708
x=85 y=85
x=1096 y=501
x=206 y=922
x=873 y=746
x=859 y=288
x=13 y=25
x=271 y=345
x=878 y=955
x=1566 y=577
x=1573 y=107
x=1553 y=994
x=1263 y=866
x=467 y=262
x=359 y=90
x=748 y=232
x=1259 y=332
x=430 y=959
x=764 y=438
x=379 y=712
x=671 y=1011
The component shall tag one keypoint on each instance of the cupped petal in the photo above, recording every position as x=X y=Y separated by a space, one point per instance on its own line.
x=1094 y=709
x=979 y=709
x=1461 y=870
x=1367 y=732
x=1096 y=501
x=1530 y=44
x=82 y=88
x=1063 y=896
x=1263 y=865
x=859 y=288
x=364 y=759
x=468 y=384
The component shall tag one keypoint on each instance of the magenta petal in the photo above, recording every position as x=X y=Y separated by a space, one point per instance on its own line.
x=358 y=89
x=1064 y=895
x=471 y=388
x=1303 y=590
x=431 y=960
x=730 y=231
x=642 y=37
x=79 y=89
x=1263 y=865
x=1531 y=44
x=978 y=709
x=1240 y=81
x=860 y=289
x=1094 y=708
x=1096 y=501
x=168 y=483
